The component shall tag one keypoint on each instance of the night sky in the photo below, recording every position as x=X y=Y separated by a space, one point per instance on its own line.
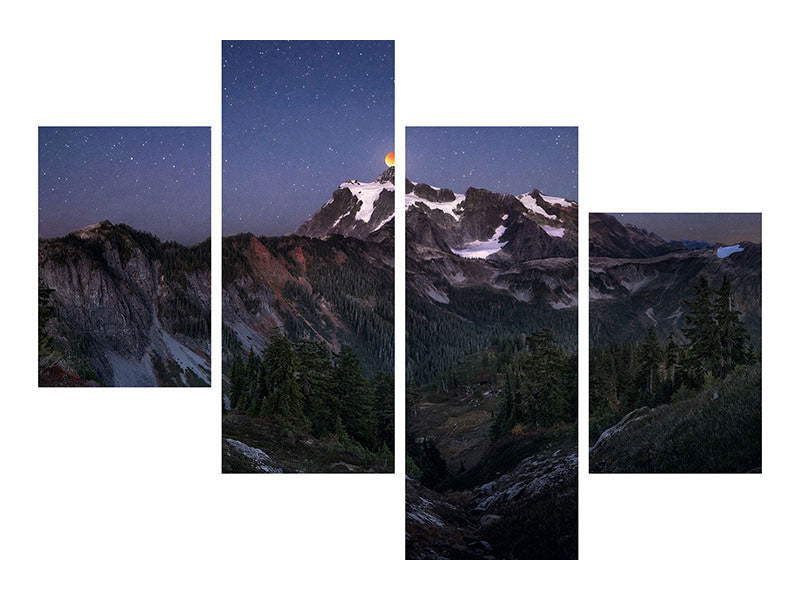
x=512 y=160
x=298 y=119
x=723 y=228
x=155 y=179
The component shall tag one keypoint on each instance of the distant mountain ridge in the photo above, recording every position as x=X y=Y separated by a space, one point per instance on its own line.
x=608 y=237
x=130 y=310
x=649 y=285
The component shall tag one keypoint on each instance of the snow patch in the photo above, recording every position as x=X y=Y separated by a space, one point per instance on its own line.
x=482 y=249
x=530 y=203
x=556 y=201
x=553 y=231
x=384 y=222
x=446 y=207
x=651 y=315
x=726 y=251
x=367 y=193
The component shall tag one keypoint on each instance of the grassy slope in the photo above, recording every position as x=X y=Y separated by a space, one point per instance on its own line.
x=717 y=430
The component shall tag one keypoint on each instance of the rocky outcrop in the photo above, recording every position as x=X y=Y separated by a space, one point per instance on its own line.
x=528 y=513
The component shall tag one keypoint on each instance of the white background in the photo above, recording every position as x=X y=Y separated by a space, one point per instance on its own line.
x=116 y=493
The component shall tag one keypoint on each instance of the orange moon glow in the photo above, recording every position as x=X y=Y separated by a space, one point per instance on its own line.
x=389 y=159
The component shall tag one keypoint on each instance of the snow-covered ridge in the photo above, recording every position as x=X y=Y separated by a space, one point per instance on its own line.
x=482 y=248
x=446 y=207
x=368 y=194
x=557 y=201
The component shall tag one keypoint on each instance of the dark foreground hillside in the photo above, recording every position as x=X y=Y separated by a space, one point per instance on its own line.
x=259 y=445
x=529 y=512
x=715 y=430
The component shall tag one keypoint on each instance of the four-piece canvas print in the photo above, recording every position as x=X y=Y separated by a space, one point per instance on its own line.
x=308 y=300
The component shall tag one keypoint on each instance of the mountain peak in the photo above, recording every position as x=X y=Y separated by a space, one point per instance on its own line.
x=355 y=209
x=94 y=229
x=386 y=176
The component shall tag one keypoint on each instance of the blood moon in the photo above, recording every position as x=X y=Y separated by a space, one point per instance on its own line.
x=389 y=159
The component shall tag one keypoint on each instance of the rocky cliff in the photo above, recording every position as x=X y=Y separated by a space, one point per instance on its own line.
x=130 y=310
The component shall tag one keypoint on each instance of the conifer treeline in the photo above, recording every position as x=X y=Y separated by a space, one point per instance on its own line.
x=538 y=384
x=540 y=387
x=305 y=384
x=624 y=377
x=439 y=339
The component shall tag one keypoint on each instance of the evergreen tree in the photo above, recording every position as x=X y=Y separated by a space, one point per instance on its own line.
x=703 y=334
x=315 y=379
x=733 y=337
x=546 y=369
x=649 y=356
x=236 y=390
x=357 y=411
x=282 y=397
x=383 y=386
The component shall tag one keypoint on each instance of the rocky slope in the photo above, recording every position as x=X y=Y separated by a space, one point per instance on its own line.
x=337 y=290
x=530 y=512
x=630 y=295
x=131 y=310
x=332 y=281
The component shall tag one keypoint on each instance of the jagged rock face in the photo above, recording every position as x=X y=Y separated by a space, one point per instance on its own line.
x=608 y=237
x=356 y=209
x=338 y=290
x=492 y=226
x=629 y=295
x=126 y=306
